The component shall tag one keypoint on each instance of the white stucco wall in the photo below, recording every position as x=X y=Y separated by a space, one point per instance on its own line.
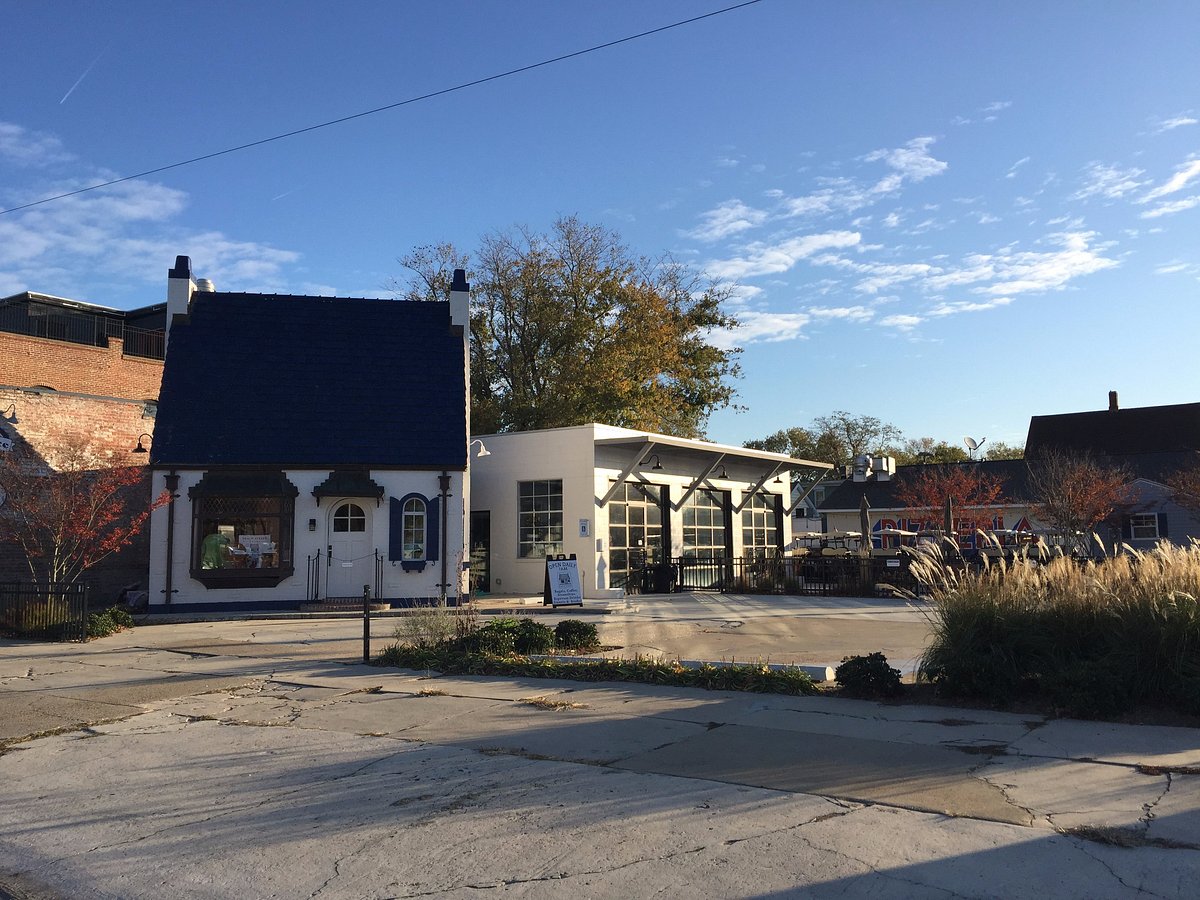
x=397 y=583
x=588 y=471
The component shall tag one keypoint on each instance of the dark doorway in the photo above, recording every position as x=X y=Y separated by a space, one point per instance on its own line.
x=481 y=551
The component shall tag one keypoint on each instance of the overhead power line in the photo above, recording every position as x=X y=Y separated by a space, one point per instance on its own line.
x=396 y=105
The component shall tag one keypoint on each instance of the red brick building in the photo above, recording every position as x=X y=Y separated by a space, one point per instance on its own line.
x=80 y=376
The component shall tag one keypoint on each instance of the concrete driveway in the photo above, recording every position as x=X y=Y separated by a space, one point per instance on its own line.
x=255 y=759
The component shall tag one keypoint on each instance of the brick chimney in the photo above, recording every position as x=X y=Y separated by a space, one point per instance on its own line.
x=1112 y=401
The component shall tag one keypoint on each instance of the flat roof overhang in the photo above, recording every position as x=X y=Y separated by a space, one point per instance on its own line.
x=706 y=456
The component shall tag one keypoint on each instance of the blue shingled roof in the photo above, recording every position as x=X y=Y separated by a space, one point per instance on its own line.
x=256 y=379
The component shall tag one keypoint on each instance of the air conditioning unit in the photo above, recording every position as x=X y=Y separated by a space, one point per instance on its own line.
x=884 y=467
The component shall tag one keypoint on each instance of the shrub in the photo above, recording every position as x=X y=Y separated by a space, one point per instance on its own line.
x=1087 y=689
x=1094 y=638
x=869 y=676
x=533 y=637
x=497 y=638
x=572 y=634
x=427 y=625
x=109 y=621
x=758 y=678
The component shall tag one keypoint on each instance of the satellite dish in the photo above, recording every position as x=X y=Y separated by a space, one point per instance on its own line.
x=973 y=445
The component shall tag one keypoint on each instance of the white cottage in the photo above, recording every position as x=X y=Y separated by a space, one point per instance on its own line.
x=621 y=500
x=311 y=447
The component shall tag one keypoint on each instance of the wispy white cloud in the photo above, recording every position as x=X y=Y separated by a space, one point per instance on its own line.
x=964 y=306
x=125 y=233
x=984 y=114
x=986 y=218
x=729 y=218
x=1174 y=122
x=1174 y=268
x=846 y=313
x=1012 y=170
x=910 y=163
x=1166 y=209
x=878 y=275
x=759 y=327
x=1109 y=182
x=22 y=147
x=902 y=322
x=1184 y=173
x=765 y=259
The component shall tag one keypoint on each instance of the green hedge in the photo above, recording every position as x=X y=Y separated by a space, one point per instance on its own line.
x=451 y=660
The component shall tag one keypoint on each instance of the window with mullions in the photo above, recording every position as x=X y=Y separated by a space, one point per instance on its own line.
x=635 y=529
x=1143 y=527
x=414 y=528
x=242 y=529
x=705 y=530
x=760 y=526
x=540 y=518
x=349 y=517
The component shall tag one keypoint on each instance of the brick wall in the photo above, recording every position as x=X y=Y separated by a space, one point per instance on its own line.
x=51 y=424
x=106 y=430
x=104 y=371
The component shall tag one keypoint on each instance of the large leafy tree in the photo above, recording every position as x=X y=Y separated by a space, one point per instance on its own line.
x=1185 y=485
x=68 y=519
x=836 y=438
x=572 y=327
x=1074 y=493
x=1002 y=450
x=923 y=451
x=975 y=495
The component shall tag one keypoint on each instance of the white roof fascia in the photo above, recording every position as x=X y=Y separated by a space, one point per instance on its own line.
x=744 y=453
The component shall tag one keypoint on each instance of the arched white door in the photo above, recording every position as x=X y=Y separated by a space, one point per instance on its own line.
x=350 y=557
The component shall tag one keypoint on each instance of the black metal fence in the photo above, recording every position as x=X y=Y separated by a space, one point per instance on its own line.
x=80 y=327
x=44 y=612
x=816 y=576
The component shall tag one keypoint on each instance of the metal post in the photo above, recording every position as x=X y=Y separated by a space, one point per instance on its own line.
x=366 y=623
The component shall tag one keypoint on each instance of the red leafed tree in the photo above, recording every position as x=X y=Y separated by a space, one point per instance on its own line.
x=65 y=521
x=1074 y=493
x=974 y=494
x=1185 y=485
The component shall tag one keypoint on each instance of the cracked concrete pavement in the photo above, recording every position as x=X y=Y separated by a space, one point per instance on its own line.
x=270 y=765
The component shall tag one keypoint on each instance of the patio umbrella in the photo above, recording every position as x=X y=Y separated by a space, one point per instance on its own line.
x=864 y=523
x=948 y=525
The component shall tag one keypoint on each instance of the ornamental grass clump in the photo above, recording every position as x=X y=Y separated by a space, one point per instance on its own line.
x=1094 y=637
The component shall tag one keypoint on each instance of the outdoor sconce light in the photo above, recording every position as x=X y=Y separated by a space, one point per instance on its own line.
x=657 y=462
x=141 y=448
x=723 y=473
x=10 y=414
x=312 y=524
x=483 y=451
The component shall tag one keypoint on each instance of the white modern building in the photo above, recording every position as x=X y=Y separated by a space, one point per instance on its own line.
x=621 y=500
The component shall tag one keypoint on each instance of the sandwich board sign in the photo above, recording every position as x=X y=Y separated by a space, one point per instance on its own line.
x=562 y=586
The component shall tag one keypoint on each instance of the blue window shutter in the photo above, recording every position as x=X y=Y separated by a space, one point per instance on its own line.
x=432 y=529
x=1126 y=528
x=395 y=529
x=1162 y=525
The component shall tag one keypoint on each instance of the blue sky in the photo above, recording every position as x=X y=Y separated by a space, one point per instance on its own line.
x=951 y=216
